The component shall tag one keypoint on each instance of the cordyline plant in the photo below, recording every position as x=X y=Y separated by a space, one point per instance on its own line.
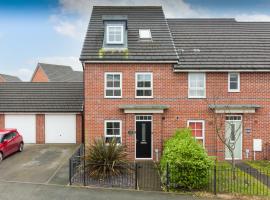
x=106 y=159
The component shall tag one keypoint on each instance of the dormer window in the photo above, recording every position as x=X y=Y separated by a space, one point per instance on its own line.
x=145 y=34
x=115 y=34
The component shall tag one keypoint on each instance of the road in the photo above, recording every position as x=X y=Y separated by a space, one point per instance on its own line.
x=30 y=191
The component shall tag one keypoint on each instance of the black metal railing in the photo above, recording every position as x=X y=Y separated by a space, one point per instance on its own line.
x=247 y=180
x=76 y=164
x=149 y=176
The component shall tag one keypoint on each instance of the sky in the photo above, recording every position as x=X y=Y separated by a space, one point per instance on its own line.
x=52 y=31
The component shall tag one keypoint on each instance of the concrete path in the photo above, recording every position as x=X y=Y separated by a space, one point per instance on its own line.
x=254 y=172
x=24 y=191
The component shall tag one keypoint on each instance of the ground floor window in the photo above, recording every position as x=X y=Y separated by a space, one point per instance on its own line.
x=113 y=129
x=197 y=127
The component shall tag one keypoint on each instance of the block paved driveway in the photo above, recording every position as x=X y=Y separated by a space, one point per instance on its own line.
x=38 y=164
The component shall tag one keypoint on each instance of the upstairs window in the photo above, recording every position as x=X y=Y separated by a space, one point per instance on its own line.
x=113 y=130
x=197 y=128
x=115 y=34
x=196 y=85
x=234 y=82
x=113 y=85
x=144 y=85
x=145 y=34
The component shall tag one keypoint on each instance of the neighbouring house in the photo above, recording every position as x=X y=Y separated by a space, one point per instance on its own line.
x=145 y=76
x=56 y=73
x=9 y=78
x=43 y=112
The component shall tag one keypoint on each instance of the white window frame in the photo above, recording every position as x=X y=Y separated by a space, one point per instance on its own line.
x=143 y=37
x=238 y=82
x=115 y=26
x=203 y=129
x=189 y=84
x=143 y=88
x=110 y=136
x=112 y=88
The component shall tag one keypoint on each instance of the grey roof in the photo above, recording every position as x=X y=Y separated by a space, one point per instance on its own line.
x=161 y=47
x=61 y=73
x=222 y=44
x=144 y=106
x=9 y=78
x=233 y=106
x=41 y=97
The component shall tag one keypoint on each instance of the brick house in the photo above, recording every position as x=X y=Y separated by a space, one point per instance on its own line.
x=8 y=78
x=145 y=76
x=55 y=73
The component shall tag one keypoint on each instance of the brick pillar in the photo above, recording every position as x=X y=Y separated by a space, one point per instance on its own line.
x=40 y=128
x=79 y=129
x=2 y=121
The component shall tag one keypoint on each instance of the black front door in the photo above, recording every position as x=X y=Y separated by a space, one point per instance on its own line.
x=143 y=139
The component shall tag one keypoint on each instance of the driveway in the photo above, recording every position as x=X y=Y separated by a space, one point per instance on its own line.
x=38 y=164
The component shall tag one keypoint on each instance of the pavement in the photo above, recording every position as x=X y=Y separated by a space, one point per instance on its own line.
x=38 y=164
x=27 y=191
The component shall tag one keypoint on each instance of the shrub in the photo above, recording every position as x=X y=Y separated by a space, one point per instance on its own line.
x=106 y=159
x=188 y=162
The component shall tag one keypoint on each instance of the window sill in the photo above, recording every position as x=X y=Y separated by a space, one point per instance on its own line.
x=113 y=97
x=144 y=97
x=197 y=97
x=234 y=91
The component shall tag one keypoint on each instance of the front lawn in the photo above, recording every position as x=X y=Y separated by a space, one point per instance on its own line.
x=242 y=184
x=261 y=165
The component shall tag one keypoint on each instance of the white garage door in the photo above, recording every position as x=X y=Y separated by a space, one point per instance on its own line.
x=60 y=128
x=25 y=124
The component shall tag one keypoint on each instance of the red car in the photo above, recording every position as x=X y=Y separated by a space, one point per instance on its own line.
x=10 y=142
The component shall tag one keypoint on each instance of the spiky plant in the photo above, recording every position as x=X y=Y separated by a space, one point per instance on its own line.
x=106 y=159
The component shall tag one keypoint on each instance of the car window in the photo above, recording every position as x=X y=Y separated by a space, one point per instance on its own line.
x=1 y=138
x=8 y=136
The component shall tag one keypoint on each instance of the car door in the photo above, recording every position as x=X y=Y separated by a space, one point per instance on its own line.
x=13 y=142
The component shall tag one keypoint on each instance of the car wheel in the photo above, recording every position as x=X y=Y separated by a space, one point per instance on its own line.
x=21 y=147
x=1 y=157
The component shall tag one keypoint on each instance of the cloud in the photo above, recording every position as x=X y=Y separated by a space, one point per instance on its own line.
x=23 y=73
x=71 y=28
x=172 y=8
x=253 y=17
x=70 y=60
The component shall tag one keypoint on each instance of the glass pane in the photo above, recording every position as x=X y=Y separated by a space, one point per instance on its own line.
x=117 y=93
x=109 y=77
x=116 y=132
x=147 y=77
x=117 y=77
x=233 y=77
x=118 y=38
x=109 y=131
x=140 y=84
x=199 y=125
x=109 y=93
x=147 y=84
x=200 y=141
x=198 y=133
x=139 y=92
x=140 y=77
x=192 y=92
x=109 y=84
x=200 y=93
x=116 y=125
x=148 y=93
x=111 y=38
x=192 y=125
x=232 y=137
x=109 y=125
x=233 y=85
x=117 y=84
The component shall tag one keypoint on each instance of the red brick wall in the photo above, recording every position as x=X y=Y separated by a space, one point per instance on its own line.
x=172 y=89
x=2 y=121
x=78 y=128
x=40 y=76
x=40 y=128
x=2 y=79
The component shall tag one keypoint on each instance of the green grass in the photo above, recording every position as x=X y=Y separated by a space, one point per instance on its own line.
x=261 y=165
x=242 y=184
